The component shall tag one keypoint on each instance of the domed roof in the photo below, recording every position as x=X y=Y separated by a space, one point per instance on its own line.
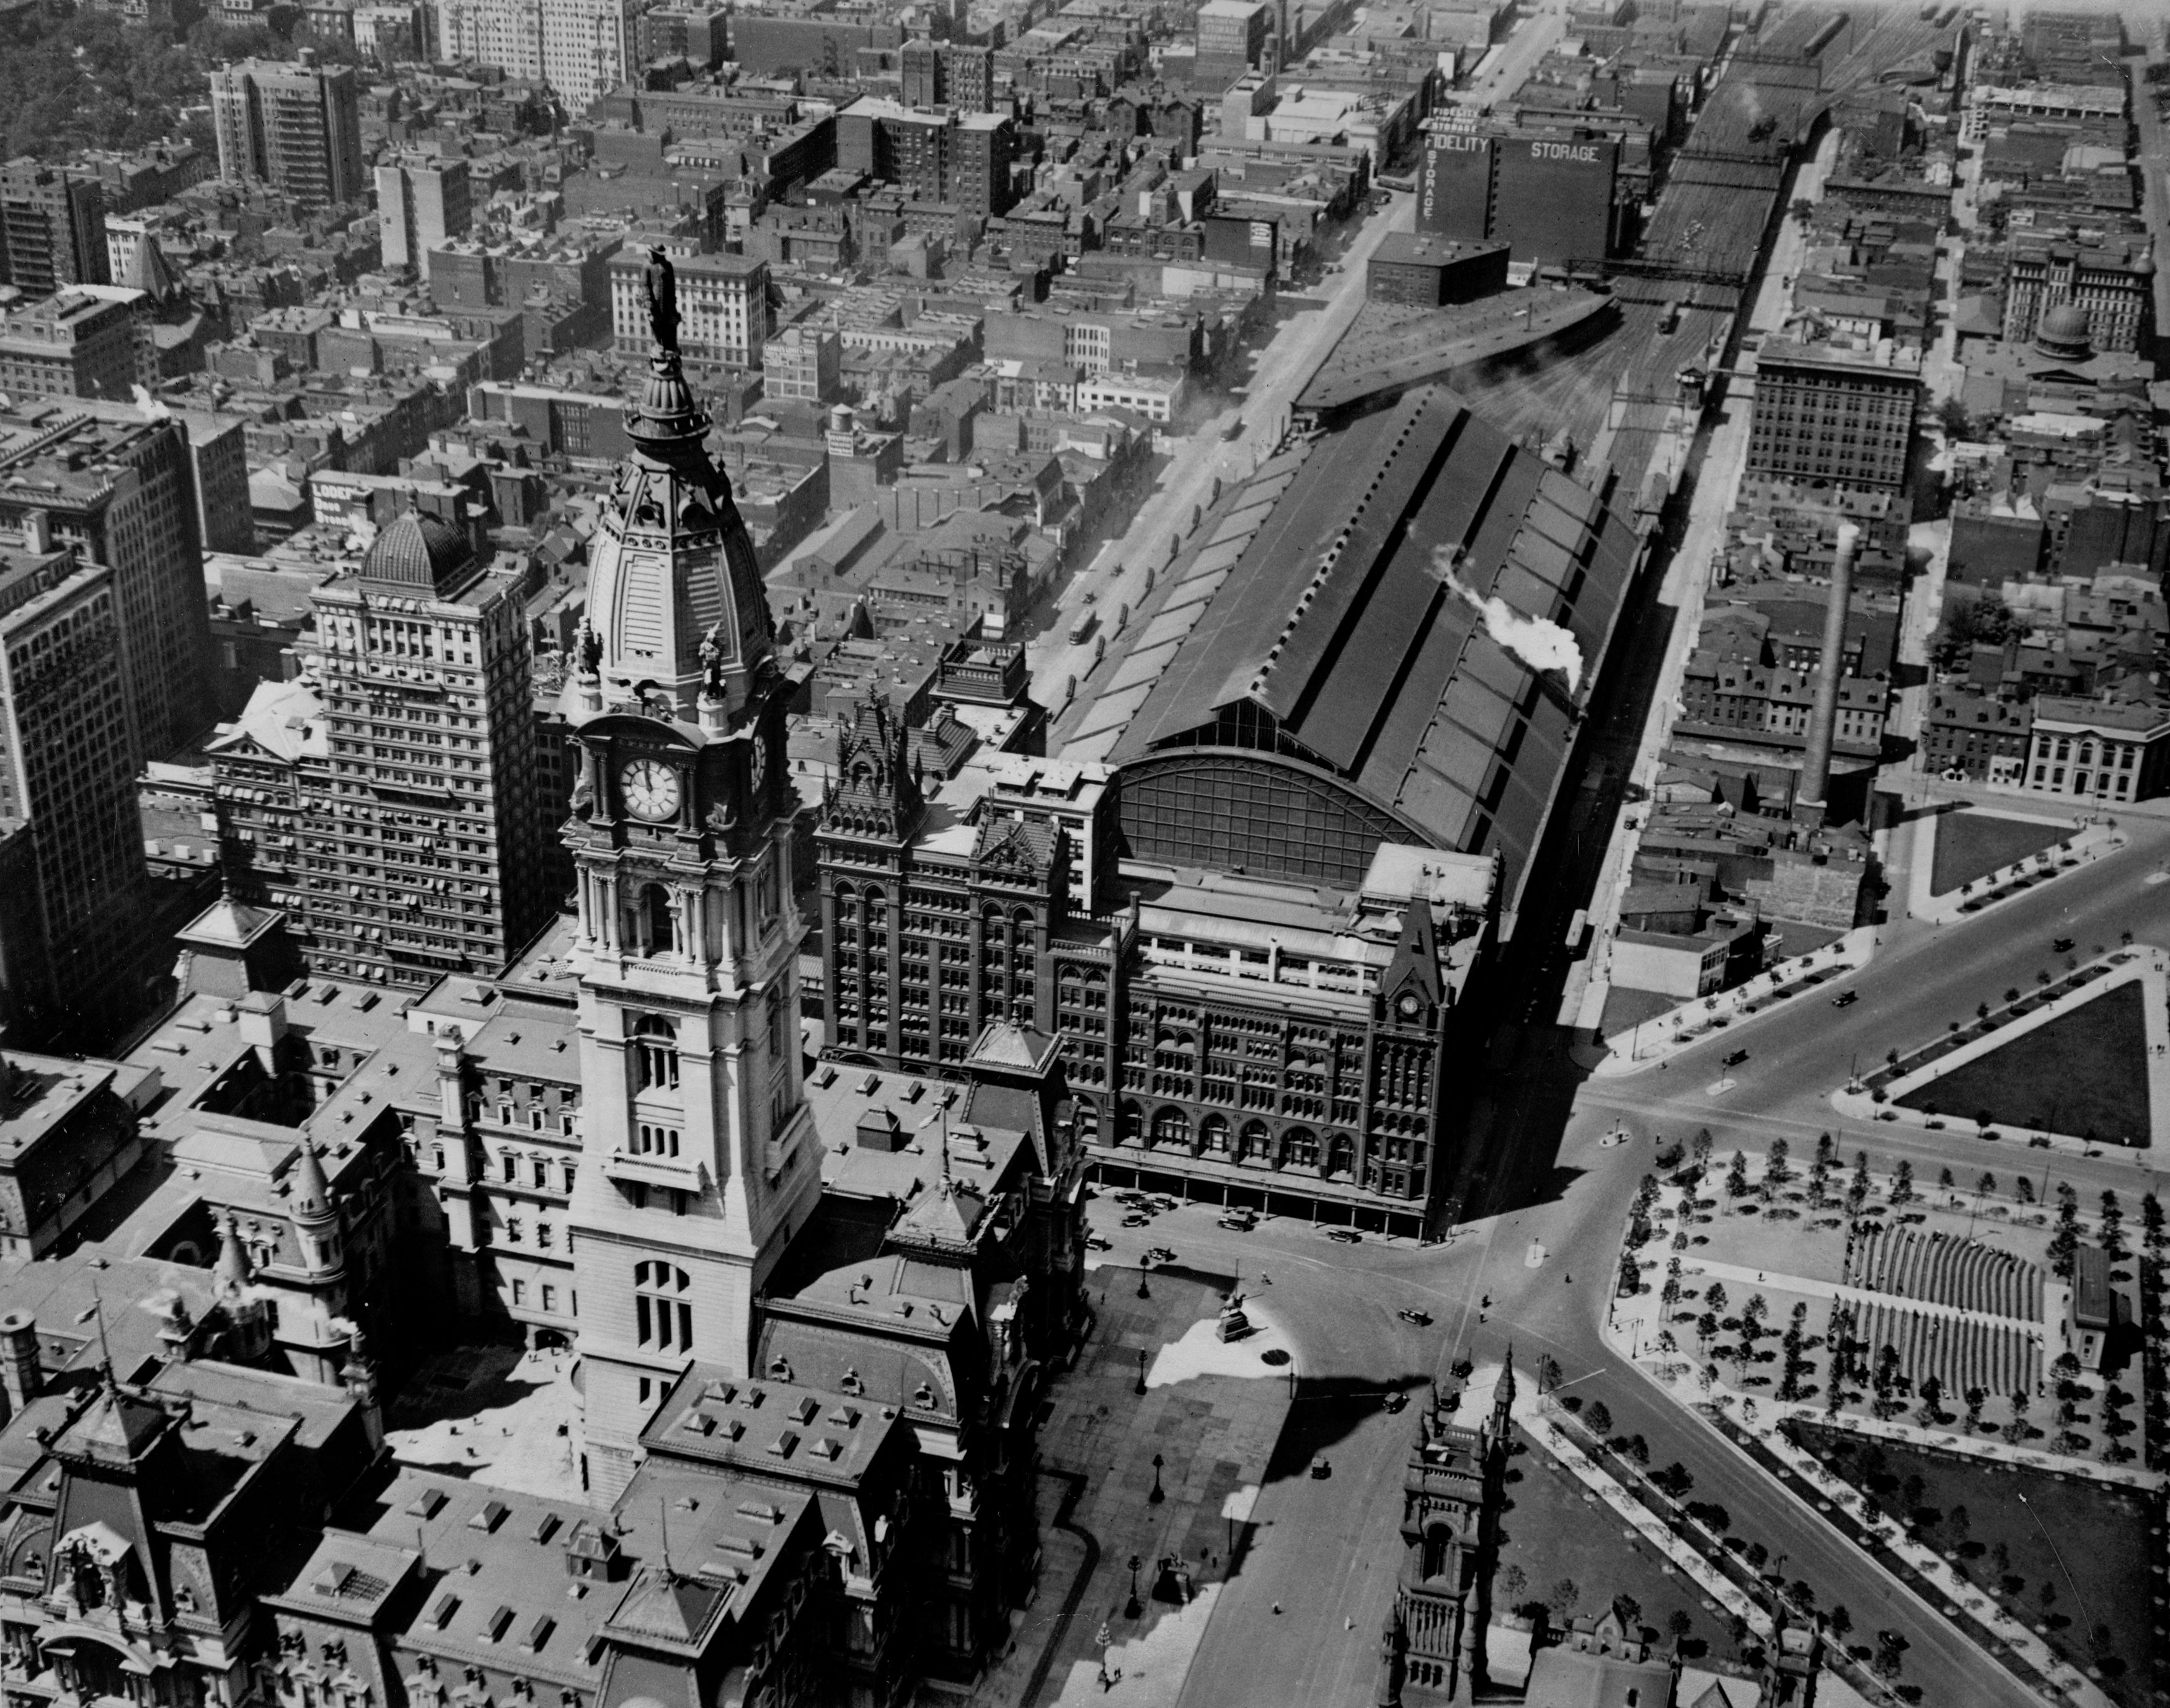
x=418 y=551
x=2063 y=330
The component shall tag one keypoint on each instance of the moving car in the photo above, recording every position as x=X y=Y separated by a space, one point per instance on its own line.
x=1395 y=1401
x=1846 y=999
x=1347 y=1236
x=1094 y=1242
x=1160 y=1254
x=2059 y=944
x=1421 y=1318
x=1320 y=1468
x=1738 y=1057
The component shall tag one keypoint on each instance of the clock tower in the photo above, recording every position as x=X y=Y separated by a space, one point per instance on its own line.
x=697 y=1160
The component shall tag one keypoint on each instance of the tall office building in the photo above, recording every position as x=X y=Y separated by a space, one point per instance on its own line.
x=420 y=204
x=963 y=159
x=700 y=1158
x=296 y=127
x=67 y=778
x=426 y=853
x=123 y=488
x=1827 y=415
x=581 y=48
x=52 y=228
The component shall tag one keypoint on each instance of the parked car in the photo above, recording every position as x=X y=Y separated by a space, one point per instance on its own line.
x=1094 y=1242
x=1320 y=1468
x=1395 y=1401
x=1347 y=1236
x=1137 y=1219
x=1240 y=1221
x=1738 y=1057
x=1422 y=1318
x=1846 y=999
x=2058 y=946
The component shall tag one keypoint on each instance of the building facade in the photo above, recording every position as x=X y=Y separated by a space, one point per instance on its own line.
x=52 y=227
x=421 y=858
x=2113 y=285
x=296 y=127
x=723 y=301
x=1831 y=415
x=582 y=48
x=68 y=771
x=420 y=205
x=121 y=487
x=69 y=344
x=2099 y=751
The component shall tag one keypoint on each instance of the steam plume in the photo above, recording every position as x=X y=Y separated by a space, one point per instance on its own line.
x=1540 y=644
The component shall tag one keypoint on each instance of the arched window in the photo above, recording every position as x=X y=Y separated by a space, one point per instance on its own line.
x=1214 y=1131
x=655 y=1054
x=1340 y=1154
x=1299 y=1148
x=1171 y=1126
x=1086 y=1123
x=1252 y=1144
x=661 y=1313
x=651 y=926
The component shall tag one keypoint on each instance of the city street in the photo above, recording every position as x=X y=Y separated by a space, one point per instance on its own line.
x=1281 y=369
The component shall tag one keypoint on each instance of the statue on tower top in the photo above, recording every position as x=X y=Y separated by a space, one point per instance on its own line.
x=659 y=290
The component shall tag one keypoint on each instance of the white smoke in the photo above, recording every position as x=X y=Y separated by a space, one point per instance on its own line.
x=149 y=407
x=1540 y=644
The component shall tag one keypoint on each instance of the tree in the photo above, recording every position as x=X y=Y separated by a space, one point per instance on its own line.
x=1598 y=1419
x=1957 y=1523
x=1890 y=1647
x=1715 y=1298
x=1736 y=1176
x=1678 y=1623
x=2000 y=1560
x=1976 y=1398
x=1548 y=1373
x=1675 y=1480
x=1986 y=1185
x=1840 y=1621
x=1944 y=1179
x=1857 y=1191
x=1777 y=1166
x=2024 y=1189
x=1513 y=1583
x=1628 y=1610
x=2015 y=1432
x=1562 y=1599
x=1902 y=1183
x=1931 y=1391
x=1969 y=623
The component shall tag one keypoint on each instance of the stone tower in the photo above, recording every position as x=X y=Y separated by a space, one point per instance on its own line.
x=697 y=1157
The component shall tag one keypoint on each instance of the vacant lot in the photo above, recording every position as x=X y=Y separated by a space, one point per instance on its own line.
x=2083 y=1073
x=2095 y=1574
x=1971 y=844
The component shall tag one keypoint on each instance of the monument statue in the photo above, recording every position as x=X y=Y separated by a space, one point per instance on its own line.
x=658 y=289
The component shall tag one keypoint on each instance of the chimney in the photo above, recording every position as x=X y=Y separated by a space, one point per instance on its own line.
x=37 y=532
x=22 y=1375
x=1813 y=801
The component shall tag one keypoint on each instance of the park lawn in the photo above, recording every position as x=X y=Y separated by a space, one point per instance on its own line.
x=2101 y=1555
x=2084 y=1073
x=1550 y=1533
x=1971 y=844
x=1624 y=1009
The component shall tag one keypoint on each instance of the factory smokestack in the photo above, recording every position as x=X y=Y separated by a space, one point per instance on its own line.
x=1813 y=801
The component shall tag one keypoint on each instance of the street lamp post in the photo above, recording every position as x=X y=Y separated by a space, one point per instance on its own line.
x=1131 y=1609
x=1141 y=1370
x=1156 y=1496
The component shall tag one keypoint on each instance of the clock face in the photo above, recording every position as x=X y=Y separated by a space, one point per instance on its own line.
x=650 y=788
x=758 y=766
x=1407 y=1007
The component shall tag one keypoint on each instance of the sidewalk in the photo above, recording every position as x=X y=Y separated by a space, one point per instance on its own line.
x=1663 y=1036
x=1212 y=1412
